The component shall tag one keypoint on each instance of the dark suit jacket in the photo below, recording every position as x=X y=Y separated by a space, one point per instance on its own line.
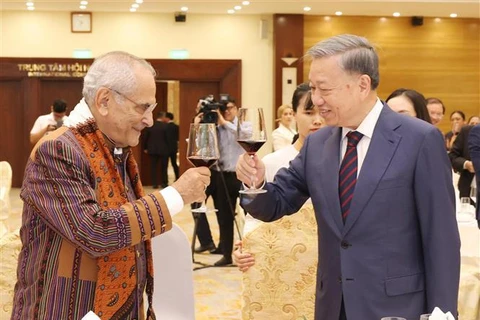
x=399 y=250
x=458 y=155
x=474 y=149
x=155 y=140
x=172 y=137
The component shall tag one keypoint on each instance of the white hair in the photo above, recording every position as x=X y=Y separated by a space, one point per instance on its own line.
x=114 y=70
x=357 y=55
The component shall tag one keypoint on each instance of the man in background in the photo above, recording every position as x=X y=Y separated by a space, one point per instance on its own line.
x=436 y=110
x=155 y=145
x=224 y=185
x=49 y=122
x=474 y=148
x=172 y=142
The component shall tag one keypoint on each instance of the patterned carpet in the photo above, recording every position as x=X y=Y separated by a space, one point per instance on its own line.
x=217 y=290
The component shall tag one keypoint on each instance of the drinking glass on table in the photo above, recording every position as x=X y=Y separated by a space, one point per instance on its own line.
x=425 y=316
x=473 y=194
x=202 y=149
x=251 y=135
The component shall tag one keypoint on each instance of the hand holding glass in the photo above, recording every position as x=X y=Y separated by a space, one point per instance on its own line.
x=251 y=135
x=202 y=149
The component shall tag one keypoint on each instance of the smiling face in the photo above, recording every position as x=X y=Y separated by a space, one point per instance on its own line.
x=124 y=120
x=343 y=99
x=401 y=104
x=435 y=110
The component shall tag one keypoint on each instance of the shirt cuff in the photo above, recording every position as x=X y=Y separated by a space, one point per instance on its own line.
x=173 y=199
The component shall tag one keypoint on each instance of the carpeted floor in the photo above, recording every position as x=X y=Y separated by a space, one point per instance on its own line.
x=217 y=290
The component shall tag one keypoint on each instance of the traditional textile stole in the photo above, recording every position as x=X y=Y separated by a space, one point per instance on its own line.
x=116 y=289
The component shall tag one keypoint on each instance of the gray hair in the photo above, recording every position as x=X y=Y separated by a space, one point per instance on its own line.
x=114 y=70
x=358 y=56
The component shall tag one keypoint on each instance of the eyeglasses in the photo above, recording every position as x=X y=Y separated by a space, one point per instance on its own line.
x=142 y=108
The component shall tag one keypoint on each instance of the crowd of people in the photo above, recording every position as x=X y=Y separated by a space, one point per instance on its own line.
x=367 y=184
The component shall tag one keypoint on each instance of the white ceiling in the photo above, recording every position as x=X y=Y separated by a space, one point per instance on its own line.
x=466 y=8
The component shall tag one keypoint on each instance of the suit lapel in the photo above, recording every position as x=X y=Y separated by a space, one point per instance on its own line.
x=329 y=179
x=379 y=155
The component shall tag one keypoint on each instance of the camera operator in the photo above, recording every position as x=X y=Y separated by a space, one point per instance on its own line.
x=224 y=184
x=49 y=122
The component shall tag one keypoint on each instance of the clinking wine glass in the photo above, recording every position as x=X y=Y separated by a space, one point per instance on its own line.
x=202 y=149
x=251 y=135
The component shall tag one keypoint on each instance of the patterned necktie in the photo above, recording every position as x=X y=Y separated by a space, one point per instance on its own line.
x=348 y=173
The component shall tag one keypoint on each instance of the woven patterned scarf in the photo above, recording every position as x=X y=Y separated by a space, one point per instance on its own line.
x=116 y=289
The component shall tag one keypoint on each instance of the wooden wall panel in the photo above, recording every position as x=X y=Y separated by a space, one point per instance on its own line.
x=288 y=38
x=12 y=133
x=440 y=58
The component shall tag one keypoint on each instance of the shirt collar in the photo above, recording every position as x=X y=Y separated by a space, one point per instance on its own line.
x=368 y=124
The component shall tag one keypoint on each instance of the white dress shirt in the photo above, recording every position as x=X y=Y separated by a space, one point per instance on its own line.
x=366 y=128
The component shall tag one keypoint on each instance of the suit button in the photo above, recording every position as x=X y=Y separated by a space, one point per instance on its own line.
x=344 y=244
x=340 y=279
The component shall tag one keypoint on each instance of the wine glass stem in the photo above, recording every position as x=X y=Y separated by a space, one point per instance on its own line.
x=252 y=178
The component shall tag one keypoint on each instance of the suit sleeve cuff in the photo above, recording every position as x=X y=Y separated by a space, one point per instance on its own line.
x=173 y=200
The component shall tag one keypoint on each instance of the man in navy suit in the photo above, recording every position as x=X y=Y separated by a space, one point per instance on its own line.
x=474 y=148
x=381 y=186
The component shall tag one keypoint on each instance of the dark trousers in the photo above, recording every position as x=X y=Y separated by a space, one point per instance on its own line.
x=225 y=216
x=173 y=161
x=343 y=315
x=155 y=160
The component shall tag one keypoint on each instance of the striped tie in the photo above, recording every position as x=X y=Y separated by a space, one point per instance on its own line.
x=348 y=173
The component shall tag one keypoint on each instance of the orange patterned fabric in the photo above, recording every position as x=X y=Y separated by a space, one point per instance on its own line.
x=117 y=280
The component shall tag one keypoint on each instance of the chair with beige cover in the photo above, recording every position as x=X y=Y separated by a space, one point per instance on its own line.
x=281 y=284
x=173 y=296
x=5 y=186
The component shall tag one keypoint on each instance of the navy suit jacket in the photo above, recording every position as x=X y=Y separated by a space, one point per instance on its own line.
x=474 y=148
x=398 y=253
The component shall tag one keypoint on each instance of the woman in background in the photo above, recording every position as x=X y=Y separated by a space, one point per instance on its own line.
x=457 y=119
x=282 y=283
x=283 y=135
x=409 y=102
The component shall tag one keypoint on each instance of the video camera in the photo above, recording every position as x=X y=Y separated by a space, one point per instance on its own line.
x=209 y=107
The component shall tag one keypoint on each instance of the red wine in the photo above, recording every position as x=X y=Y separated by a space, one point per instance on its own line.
x=199 y=161
x=251 y=146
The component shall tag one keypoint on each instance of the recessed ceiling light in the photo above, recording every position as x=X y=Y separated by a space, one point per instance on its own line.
x=230 y=11
x=135 y=5
x=237 y=7
x=383 y=19
x=246 y=3
x=307 y=9
x=327 y=18
x=338 y=13
x=29 y=4
x=453 y=15
x=83 y=7
x=133 y=9
x=184 y=9
x=437 y=20
x=31 y=8
x=396 y=14
x=83 y=3
x=139 y=1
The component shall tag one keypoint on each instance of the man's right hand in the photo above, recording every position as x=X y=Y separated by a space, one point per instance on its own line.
x=192 y=184
x=51 y=127
x=250 y=170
